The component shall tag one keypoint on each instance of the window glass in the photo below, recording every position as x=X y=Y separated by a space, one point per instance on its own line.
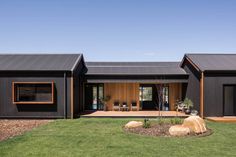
x=145 y=93
x=100 y=94
x=165 y=94
x=95 y=95
x=33 y=92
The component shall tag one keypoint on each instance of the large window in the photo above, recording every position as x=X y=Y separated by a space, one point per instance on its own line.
x=145 y=93
x=33 y=92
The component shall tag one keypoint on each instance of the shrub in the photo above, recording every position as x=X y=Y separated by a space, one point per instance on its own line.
x=188 y=103
x=176 y=121
x=147 y=123
x=160 y=121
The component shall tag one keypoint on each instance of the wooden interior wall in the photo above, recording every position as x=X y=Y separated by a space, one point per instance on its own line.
x=175 y=93
x=128 y=92
x=122 y=92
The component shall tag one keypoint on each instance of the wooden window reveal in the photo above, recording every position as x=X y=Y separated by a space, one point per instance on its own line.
x=33 y=92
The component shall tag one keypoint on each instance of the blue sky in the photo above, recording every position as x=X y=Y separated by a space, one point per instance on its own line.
x=118 y=30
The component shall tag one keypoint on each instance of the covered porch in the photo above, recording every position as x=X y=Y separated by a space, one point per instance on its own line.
x=131 y=114
x=133 y=87
x=133 y=96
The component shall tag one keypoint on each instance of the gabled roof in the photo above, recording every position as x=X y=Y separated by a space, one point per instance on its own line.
x=212 y=62
x=134 y=68
x=39 y=62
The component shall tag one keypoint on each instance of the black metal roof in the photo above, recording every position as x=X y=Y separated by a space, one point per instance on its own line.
x=137 y=80
x=134 y=68
x=214 y=62
x=39 y=62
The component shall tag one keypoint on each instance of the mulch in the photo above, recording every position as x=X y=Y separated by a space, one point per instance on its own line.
x=161 y=130
x=11 y=128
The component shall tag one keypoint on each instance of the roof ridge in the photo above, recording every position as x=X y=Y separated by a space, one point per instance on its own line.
x=76 y=62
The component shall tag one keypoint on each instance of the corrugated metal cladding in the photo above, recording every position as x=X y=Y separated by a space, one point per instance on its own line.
x=38 y=62
x=134 y=68
x=193 y=86
x=56 y=110
x=214 y=62
x=213 y=93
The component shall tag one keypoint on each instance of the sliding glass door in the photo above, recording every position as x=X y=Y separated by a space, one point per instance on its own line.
x=94 y=96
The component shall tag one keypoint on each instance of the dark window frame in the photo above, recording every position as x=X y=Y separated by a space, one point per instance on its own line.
x=14 y=87
x=97 y=86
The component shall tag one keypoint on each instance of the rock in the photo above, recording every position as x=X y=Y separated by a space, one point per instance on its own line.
x=195 y=124
x=179 y=130
x=133 y=124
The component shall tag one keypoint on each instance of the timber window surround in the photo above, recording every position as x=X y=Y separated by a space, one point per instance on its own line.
x=33 y=92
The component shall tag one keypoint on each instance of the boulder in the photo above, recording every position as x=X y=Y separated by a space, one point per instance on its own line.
x=179 y=130
x=133 y=124
x=195 y=124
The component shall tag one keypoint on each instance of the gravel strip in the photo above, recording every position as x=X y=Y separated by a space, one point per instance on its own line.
x=11 y=128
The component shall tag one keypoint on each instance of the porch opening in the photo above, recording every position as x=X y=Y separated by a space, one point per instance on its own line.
x=132 y=96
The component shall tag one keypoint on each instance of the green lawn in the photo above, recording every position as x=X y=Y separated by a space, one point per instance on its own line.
x=104 y=137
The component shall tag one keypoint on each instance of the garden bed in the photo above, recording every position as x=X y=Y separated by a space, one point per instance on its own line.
x=162 y=129
x=11 y=128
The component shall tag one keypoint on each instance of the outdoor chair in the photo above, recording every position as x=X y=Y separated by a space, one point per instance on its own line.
x=124 y=106
x=134 y=106
x=116 y=106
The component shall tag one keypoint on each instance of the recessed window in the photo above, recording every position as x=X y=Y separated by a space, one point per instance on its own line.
x=145 y=93
x=33 y=92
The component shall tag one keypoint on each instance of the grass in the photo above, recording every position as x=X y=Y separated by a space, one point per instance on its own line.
x=104 y=137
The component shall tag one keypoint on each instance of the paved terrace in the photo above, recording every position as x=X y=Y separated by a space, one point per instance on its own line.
x=130 y=114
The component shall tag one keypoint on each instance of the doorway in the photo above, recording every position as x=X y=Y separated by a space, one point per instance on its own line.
x=94 y=96
x=150 y=96
x=229 y=92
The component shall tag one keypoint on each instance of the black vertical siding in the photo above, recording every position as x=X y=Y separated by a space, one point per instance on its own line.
x=193 y=86
x=213 y=89
x=56 y=110
x=79 y=72
x=184 y=90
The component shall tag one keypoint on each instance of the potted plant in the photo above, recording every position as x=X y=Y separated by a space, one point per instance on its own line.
x=105 y=100
x=188 y=105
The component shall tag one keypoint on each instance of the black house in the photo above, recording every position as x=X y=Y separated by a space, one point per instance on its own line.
x=40 y=85
x=212 y=82
x=63 y=85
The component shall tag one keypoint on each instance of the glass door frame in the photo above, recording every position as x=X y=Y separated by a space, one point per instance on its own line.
x=99 y=105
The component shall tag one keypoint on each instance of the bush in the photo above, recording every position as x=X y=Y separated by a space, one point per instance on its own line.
x=188 y=103
x=160 y=121
x=147 y=123
x=176 y=121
